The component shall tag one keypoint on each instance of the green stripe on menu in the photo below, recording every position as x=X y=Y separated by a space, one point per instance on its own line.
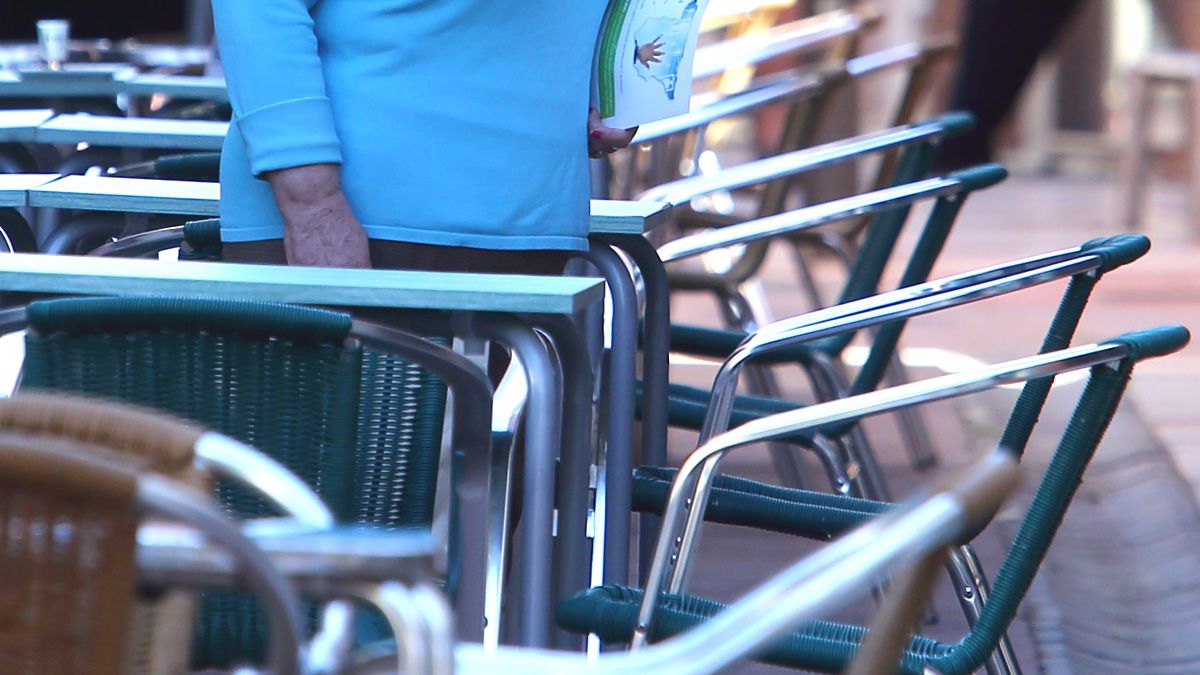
x=608 y=58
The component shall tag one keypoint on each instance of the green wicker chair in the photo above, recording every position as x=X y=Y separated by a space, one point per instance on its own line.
x=762 y=505
x=363 y=427
x=818 y=359
x=612 y=611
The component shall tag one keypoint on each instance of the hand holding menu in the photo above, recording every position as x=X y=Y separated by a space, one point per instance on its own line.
x=643 y=68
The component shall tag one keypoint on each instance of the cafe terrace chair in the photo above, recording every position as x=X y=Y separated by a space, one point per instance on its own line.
x=1083 y=265
x=908 y=542
x=818 y=360
x=713 y=412
x=918 y=142
x=353 y=408
x=76 y=478
x=619 y=614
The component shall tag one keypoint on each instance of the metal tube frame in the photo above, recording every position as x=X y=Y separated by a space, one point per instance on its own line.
x=617 y=461
x=698 y=470
x=541 y=450
x=159 y=496
x=798 y=161
x=656 y=352
x=822 y=581
x=571 y=558
x=470 y=462
x=901 y=304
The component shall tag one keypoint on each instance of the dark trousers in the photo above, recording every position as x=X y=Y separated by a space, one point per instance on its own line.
x=1002 y=41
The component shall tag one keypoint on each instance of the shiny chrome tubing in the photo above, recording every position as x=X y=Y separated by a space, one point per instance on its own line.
x=927 y=288
x=162 y=497
x=806 y=218
x=902 y=304
x=823 y=581
x=772 y=89
x=789 y=38
x=798 y=161
x=872 y=311
x=696 y=474
x=808 y=84
x=138 y=245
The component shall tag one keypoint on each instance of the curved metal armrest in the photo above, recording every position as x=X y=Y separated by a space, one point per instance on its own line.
x=802 y=592
x=829 y=212
x=159 y=496
x=790 y=84
x=141 y=244
x=1096 y=256
x=269 y=479
x=795 y=37
x=798 y=161
x=807 y=84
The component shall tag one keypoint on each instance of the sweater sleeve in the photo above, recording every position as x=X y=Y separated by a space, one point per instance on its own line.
x=276 y=84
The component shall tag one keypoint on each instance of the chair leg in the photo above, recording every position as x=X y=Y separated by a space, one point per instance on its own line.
x=917 y=440
x=741 y=312
x=971 y=586
x=1132 y=171
x=808 y=283
x=836 y=464
x=830 y=384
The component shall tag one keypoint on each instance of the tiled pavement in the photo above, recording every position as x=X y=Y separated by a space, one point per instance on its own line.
x=1133 y=487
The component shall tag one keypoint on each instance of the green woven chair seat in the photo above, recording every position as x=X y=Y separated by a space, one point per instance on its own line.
x=747 y=503
x=200 y=166
x=611 y=612
x=719 y=343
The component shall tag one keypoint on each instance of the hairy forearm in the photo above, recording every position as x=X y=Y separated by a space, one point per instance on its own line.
x=319 y=226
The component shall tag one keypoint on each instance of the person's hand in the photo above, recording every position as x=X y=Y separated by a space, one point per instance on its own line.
x=320 y=229
x=651 y=52
x=603 y=140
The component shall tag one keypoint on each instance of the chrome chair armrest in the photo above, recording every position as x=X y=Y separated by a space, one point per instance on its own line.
x=141 y=244
x=798 y=161
x=1093 y=257
x=811 y=216
x=795 y=37
x=159 y=496
x=783 y=86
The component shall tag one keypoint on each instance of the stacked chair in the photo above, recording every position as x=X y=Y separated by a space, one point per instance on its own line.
x=312 y=511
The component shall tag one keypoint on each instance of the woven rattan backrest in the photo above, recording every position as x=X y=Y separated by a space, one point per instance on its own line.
x=67 y=536
x=160 y=625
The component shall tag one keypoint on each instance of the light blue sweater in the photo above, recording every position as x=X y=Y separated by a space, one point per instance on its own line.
x=456 y=122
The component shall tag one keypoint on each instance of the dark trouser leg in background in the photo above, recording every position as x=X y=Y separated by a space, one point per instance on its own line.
x=1002 y=41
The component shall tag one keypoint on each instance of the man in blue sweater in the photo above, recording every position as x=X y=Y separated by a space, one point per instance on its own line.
x=444 y=134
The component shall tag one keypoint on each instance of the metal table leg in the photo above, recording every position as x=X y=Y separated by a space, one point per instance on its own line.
x=572 y=558
x=541 y=447
x=656 y=351
x=618 y=461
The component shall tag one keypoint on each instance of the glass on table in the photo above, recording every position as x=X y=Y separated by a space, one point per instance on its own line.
x=53 y=35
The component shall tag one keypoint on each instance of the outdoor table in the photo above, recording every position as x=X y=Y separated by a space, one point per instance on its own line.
x=176 y=86
x=109 y=82
x=128 y=132
x=502 y=308
x=613 y=223
x=19 y=126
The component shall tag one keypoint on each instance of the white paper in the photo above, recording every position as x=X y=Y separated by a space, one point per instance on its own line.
x=643 y=69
